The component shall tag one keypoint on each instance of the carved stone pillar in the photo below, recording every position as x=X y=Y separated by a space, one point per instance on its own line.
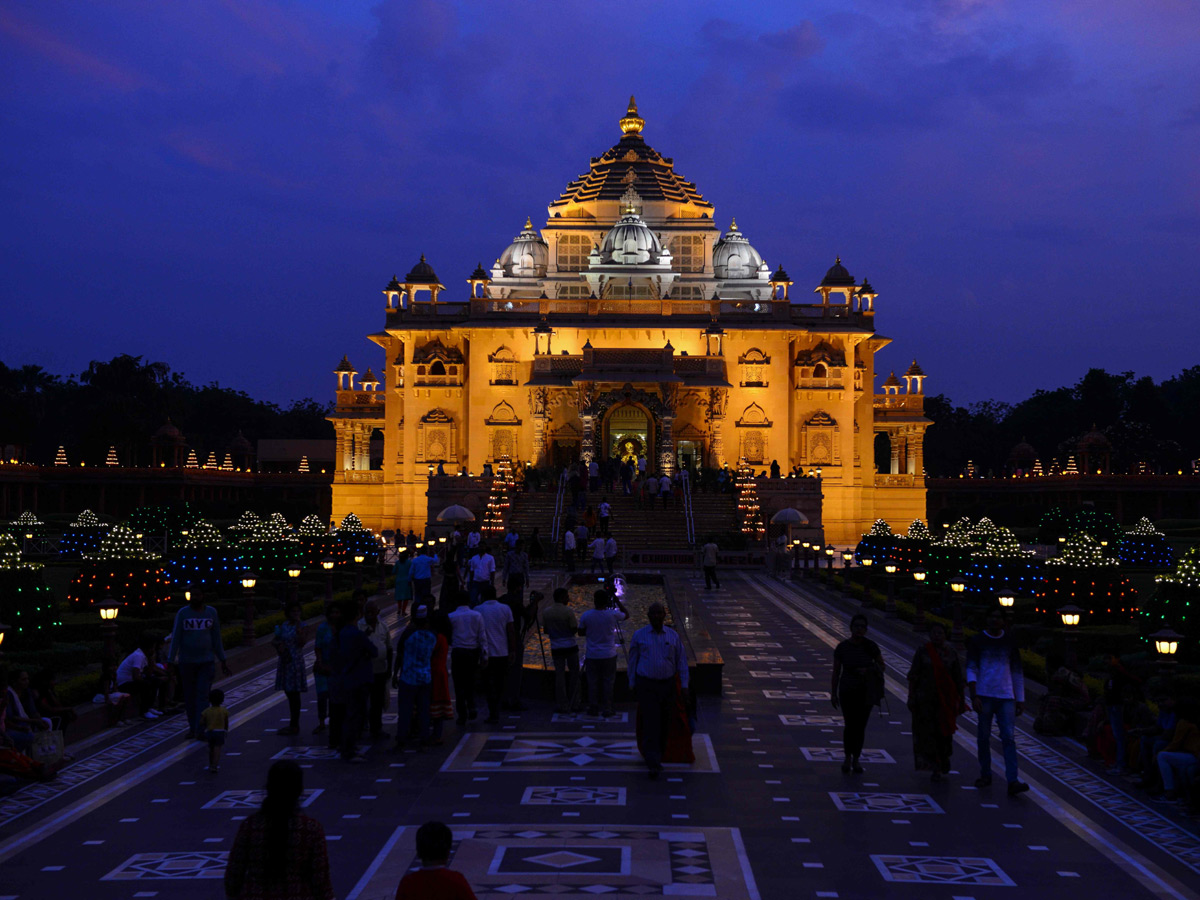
x=587 y=448
x=666 y=445
x=895 y=439
x=539 y=408
x=717 y=400
x=339 y=456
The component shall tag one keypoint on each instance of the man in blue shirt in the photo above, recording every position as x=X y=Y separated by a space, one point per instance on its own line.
x=656 y=659
x=414 y=679
x=350 y=685
x=195 y=647
x=420 y=570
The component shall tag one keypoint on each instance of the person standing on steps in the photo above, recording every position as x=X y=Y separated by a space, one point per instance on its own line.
x=997 y=685
x=708 y=561
x=569 y=548
x=610 y=554
x=599 y=628
x=195 y=648
x=597 y=548
x=657 y=661
x=665 y=489
x=290 y=676
x=857 y=687
x=605 y=516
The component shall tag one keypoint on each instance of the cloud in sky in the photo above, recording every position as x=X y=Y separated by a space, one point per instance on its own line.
x=248 y=173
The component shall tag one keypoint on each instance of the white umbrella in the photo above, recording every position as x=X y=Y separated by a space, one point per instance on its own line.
x=456 y=513
x=789 y=516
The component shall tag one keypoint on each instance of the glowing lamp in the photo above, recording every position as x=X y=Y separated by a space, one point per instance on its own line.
x=806 y=544
x=867 y=561
x=919 y=575
x=846 y=555
x=358 y=557
x=109 y=609
x=1070 y=615
x=327 y=563
x=442 y=539
x=1166 y=643
x=249 y=579
x=829 y=551
x=1006 y=600
x=430 y=469
x=958 y=585
x=890 y=569
x=29 y=536
x=1062 y=538
x=293 y=572
x=184 y=532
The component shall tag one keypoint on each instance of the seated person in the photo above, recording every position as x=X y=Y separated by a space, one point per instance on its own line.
x=137 y=677
x=23 y=714
x=45 y=695
x=16 y=738
x=1063 y=707
x=1152 y=739
x=1179 y=761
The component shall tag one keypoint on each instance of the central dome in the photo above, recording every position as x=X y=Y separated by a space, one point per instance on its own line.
x=631 y=242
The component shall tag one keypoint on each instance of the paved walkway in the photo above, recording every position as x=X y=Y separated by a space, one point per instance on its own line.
x=548 y=806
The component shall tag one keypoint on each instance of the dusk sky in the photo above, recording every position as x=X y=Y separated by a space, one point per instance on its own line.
x=227 y=186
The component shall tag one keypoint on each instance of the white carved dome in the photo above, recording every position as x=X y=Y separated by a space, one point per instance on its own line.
x=734 y=258
x=631 y=242
x=527 y=256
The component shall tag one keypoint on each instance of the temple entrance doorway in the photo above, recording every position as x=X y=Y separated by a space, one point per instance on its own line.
x=627 y=433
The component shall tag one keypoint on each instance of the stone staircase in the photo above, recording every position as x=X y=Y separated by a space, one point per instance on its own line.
x=635 y=527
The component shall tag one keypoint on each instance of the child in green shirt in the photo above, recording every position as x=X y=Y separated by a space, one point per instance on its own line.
x=215 y=722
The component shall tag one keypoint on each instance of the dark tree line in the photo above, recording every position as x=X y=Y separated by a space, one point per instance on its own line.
x=124 y=401
x=1156 y=424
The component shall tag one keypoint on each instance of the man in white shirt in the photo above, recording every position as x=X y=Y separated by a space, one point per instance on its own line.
x=599 y=629
x=610 y=554
x=499 y=646
x=641 y=466
x=569 y=549
x=473 y=539
x=482 y=567
x=597 y=548
x=466 y=652
x=605 y=513
x=664 y=489
x=134 y=677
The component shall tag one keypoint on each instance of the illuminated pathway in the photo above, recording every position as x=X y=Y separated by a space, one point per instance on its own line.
x=551 y=808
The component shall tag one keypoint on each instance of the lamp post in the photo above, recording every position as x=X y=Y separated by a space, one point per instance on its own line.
x=866 y=562
x=327 y=565
x=293 y=574
x=1006 y=600
x=829 y=554
x=249 y=579
x=1166 y=645
x=957 y=586
x=919 y=624
x=847 y=555
x=806 y=545
x=359 y=558
x=382 y=560
x=109 y=608
x=890 y=608
x=1070 y=616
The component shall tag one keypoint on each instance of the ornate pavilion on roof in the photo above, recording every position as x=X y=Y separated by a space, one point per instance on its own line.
x=630 y=323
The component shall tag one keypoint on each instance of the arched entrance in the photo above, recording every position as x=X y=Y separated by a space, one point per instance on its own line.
x=628 y=432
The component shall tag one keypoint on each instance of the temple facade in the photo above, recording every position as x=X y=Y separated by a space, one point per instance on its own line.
x=631 y=324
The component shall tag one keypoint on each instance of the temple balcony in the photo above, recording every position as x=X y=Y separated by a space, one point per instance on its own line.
x=359 y=403
x=907 y=402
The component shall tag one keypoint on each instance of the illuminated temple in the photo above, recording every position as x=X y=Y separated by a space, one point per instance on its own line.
x=631 y=323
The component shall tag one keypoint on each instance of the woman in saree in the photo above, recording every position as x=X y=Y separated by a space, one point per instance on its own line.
x=935 y=698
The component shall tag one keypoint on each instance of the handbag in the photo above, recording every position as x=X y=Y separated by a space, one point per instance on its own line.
x=47 y=747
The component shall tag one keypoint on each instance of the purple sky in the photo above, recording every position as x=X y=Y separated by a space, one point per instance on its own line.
x=227 y=186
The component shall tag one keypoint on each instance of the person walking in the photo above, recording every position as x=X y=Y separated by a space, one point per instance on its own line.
x=857 y=686
x=996 y=681
x=482 y=567
x=402 y=572
x=935 y=699
x=657 y=664
x=351 y=684
x=322 y=662
x=709 y=555
x=466 y=653
x=381 y=666
x=499 y=646
x=279 y=853
x=413 y=678
x=562 y=628
x=569 y=548
x=610 y=554
x=598 y=627
x=516 y=572
x=195 y=648
x=665 y=489
x=581 y=540
x=537 y=552
x=290 y=676
x=605 y=516
x=420 y=573
x=597 y=548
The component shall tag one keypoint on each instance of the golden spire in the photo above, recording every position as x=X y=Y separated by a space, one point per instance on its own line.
x=632 y=123
x=733 y=224
x=528 y=223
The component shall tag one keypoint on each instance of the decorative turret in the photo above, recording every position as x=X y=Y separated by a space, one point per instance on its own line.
x=780 y=280
x=392 y=293
x=914 y=376
x=370 y=381
x=479 y=281
x=866 y=297
x=345 y=373
x=837 y=281
x=892 y=385
x=422 y=278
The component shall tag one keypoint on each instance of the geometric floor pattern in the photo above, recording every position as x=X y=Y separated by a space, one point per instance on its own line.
x=969 y=870
x=836 y=754
x=849 y=801
x=252 y=799
x=563 y=751
x=823 y=721
x=307 y=753
x=573 y=795
x=796 y=695
x=549 y=861
x=176 y=865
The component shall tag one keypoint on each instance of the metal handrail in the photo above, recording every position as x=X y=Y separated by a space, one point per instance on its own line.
x=690 y=521
x=558 y=500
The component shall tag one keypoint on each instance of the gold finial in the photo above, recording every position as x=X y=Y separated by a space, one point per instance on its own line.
x=733 y=224
x=632 y=123
x=528 y=223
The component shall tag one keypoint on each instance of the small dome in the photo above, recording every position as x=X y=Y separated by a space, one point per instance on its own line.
x=240 y=444
x=422 y=273
x=837 y=276
x=781 y=277
x=914 y=369
x=345 y=366
x=1093 y=440
x=1022 y=452
x=735 y=258
x=370 y=377
x=866 y=290
x=527 y=256
x=394 y=284
x=892 y=381
x=479 y=274
x=631 y=242
x=168 y=432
